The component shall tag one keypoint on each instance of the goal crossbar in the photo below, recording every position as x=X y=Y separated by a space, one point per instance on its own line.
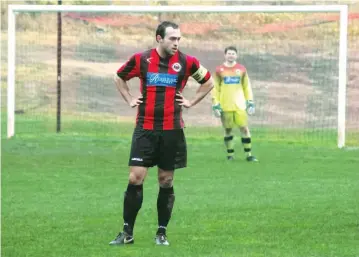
x=343 y=44
x=197 y=9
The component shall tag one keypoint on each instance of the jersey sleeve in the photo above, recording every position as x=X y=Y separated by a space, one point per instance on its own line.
x=217 y=87
x=198 y=72
x=130 y=68
x=247 y=88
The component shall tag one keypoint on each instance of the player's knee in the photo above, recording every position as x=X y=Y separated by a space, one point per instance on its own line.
x=137 y=175
x=228 y=131
x=135 y=179
x=244 y=131
x=165 y=180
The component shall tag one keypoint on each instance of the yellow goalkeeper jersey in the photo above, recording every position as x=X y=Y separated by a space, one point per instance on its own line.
x=232 y=87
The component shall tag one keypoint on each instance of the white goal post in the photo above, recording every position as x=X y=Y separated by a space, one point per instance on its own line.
x=341 y=9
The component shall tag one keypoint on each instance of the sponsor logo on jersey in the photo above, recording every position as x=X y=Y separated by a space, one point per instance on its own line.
x=231 y=80
x=161 y=79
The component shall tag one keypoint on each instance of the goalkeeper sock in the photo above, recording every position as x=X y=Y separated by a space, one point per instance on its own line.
x=131 y=205
x=228 y=141
x=246 y=141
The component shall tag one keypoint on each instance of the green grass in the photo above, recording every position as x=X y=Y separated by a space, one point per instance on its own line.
x=62 y=196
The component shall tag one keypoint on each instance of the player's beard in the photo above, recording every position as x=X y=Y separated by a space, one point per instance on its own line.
x=171 y=51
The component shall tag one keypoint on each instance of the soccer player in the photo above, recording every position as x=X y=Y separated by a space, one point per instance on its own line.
x=158 y=138
x=232 y=100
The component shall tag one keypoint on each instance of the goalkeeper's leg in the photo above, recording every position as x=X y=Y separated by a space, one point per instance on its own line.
x=241 y=120
x=246 y=140
x=247 y=143
x=227 y=119
x=229 y=142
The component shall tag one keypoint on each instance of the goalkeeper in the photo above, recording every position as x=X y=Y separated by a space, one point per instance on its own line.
x=232 y=99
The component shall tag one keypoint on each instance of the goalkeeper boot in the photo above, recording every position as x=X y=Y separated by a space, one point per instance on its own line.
x=251 y=158
x=161 y=239
x=123 y=238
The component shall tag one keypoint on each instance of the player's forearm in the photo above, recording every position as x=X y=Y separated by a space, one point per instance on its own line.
x=247 y=88
x=123 y=88
x=202 y=91
x=215 y=96
x=248 y=95
x=215 y=100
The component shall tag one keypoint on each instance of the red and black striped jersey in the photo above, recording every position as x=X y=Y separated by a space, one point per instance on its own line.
x=161 y=79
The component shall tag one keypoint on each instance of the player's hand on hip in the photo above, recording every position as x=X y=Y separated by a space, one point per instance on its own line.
x=183 y=101
x=250 y=107
x=136 y=101
x=217 y=110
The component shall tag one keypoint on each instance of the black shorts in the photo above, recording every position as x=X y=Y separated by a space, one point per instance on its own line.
x=166 y=148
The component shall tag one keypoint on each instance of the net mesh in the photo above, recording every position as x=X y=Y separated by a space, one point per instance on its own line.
x=292 y=60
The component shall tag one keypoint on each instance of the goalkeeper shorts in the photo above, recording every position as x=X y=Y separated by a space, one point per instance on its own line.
x=234 y=119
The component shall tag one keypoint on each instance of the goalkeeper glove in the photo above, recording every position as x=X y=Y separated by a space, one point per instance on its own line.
x=250 y=107
x=217 y=110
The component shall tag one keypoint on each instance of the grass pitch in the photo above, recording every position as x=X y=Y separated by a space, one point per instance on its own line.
x=62 y=195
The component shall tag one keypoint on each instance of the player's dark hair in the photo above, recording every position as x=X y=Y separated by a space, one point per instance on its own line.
x=161 y=28
x=233 y=48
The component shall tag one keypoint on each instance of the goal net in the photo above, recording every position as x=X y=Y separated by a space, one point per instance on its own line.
x=294 y=59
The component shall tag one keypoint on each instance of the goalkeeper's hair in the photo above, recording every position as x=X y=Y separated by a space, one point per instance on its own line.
x=233 y=48
x=161 y=28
